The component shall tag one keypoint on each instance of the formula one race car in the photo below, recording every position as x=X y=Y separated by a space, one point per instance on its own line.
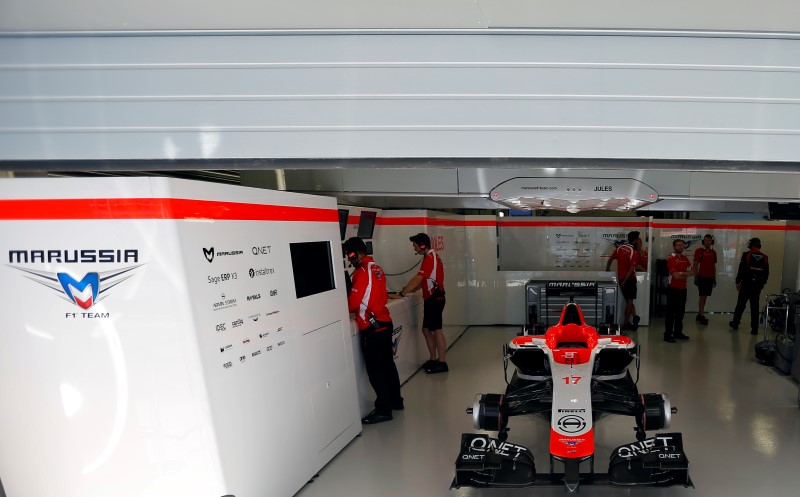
x=573 y=376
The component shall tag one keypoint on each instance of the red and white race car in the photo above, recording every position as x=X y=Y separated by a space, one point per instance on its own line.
x=573 y=375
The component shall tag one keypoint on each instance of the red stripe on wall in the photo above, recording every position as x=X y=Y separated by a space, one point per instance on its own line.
x=580 y=224
x=427 y=221
x=353 y=219
x=705 y=226
x=157 y=208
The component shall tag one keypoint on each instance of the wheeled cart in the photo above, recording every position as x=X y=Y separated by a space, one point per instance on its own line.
x=771 y=309
x=776 y=316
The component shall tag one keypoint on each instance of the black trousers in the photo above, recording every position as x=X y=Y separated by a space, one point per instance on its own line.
x=376 y=346
x=676 y=308
x=752 y=294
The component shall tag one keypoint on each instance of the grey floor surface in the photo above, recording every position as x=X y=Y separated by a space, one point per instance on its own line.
x=740 y=421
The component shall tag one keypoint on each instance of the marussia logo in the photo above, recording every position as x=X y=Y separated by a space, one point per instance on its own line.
x=84 y=292
x=209 y=253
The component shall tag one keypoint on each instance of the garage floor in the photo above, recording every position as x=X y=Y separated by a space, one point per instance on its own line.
x=740 y=421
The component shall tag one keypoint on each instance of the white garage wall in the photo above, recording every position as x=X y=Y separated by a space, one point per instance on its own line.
x=391 y=95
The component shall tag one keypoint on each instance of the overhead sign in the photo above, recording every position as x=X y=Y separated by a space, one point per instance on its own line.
x=573 y=194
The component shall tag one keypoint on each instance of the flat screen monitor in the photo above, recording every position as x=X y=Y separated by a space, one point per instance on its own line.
x=343 y=213
x=366 y=224
x=312 y=268
x=369 y=247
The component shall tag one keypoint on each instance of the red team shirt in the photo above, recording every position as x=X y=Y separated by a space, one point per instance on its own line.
x=707 y=259
x=431 y=271
x=681 y=263
x=627 y=256
x=368 y=296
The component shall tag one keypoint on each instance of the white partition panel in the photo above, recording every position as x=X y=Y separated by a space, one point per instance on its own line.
x=163 y=337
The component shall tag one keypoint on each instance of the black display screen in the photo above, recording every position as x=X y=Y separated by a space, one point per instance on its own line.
x=312 y=268
x=366 y=224
x=343 y=213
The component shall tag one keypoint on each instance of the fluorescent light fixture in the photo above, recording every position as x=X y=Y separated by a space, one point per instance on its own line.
x=574 y=194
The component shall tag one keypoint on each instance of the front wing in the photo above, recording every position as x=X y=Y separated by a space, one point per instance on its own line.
x=489 y=462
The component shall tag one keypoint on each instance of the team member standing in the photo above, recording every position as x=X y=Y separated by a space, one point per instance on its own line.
x=367 y=299
x=751 y=277
x=431 y=278
x=627 y=257
x=705 y=267
x=680 y=268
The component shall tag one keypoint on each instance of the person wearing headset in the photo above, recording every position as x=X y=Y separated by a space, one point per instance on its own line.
x=705 y=267
x=367 y=300
x=431 y=278
x=751 y=277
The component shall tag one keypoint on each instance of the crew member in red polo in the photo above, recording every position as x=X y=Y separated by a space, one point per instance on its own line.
x=627 y=257
x=705 y=267
x=679 y=267
x=431 y=278
x=367 y=300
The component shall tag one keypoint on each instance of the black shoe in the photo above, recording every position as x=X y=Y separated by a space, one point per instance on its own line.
x=681 y=337
x=636 y=320
x=439 y=367
x=428 y=366
x=669 y=339
x=701 y=319
x=626 y=327
x=733 y=325
x=375 y=417
x=398 y=406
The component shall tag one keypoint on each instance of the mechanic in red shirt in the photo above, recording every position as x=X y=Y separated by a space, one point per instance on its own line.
x=367 y=299
x=627 y=257
x=705 y=268
x=679 y=267
x=431 y=278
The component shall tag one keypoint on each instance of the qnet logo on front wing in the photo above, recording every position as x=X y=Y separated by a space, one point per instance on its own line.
x=81 y=289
